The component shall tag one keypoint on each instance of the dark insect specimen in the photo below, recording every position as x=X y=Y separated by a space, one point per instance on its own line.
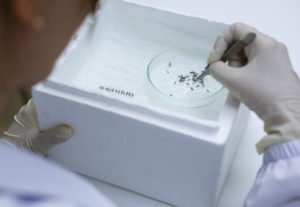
x=189 y=79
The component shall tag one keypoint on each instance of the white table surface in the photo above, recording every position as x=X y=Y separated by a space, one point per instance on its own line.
x=239 y=181
x=275 y=17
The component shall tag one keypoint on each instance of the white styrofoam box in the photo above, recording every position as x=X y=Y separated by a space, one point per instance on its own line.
x=123 y=134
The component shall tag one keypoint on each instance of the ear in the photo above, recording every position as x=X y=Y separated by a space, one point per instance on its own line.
x=25 y=14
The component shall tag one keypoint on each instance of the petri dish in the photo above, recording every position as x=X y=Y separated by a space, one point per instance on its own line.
x=171 y=74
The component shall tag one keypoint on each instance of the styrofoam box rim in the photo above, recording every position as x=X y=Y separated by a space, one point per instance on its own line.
x=191 y=126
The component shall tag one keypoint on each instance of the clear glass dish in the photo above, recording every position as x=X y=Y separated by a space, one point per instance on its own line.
x=171 y=74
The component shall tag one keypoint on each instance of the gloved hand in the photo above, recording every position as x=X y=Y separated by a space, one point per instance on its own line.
x=25 y=132
x=266 y=83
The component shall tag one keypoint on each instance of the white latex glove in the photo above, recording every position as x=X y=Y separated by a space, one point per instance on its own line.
x=267 y=83
x=25 y=132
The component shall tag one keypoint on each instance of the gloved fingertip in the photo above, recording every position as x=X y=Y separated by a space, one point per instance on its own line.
x=213 y=57
x=30 y=106
x=64 y=132
x=216 y=68
x=30 y=103
x=223 y=73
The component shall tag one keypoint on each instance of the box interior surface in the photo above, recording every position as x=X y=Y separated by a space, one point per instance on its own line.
x=114 y=48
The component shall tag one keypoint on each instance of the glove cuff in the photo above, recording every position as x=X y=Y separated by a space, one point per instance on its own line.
x=279 y=133
x=282 y=122
x=282 y=151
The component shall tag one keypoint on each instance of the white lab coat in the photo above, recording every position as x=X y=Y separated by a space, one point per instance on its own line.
x=277 y=183
x=29 y=180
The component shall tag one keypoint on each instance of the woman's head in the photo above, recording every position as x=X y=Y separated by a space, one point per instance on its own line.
x=32 y=35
